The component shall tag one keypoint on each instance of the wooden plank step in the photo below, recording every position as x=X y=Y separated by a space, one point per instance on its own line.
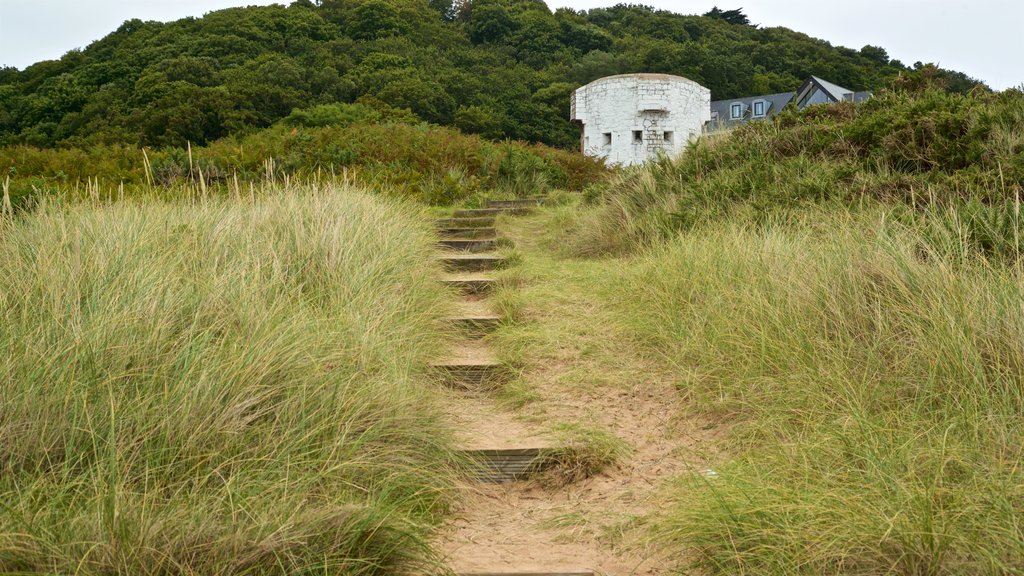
x=503 y=465
x=475 y=318
x=472 y=262
x=485 y=212
x=471 y=375
x=469 y=283
x=572 y=573
x=468 y=244
x=472 y=222
x=489 y=232
x=517 y=203
x=471 y=365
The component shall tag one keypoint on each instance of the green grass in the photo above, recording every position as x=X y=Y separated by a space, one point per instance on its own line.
x=841 y=289
x=873 y=387
x=220 y=387
x=582 y=452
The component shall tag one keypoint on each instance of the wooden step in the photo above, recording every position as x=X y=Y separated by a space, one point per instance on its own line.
x=475 y=318
x=472 y=366
x=563 y=573
x=471 y=374
x=517 y=203
x=502 y=465
x=469 y=283
x=471 y=222
x=468 y=244
x=490 y=212
x=558 y=573
x=489 y=232
x=472 y=262
x=478 y=212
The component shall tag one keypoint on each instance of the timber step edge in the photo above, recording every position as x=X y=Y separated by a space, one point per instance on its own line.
x=476 y=325
x=469 y=222
x=487 y=212
x=471 y=375
x=518 y=203
x=469 y=244
x=581 y=573
x=504 y=465
x=472 y=262
x=467 y=233
x=469 y=283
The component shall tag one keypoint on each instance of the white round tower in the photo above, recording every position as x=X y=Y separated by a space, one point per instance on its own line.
x=631 y=118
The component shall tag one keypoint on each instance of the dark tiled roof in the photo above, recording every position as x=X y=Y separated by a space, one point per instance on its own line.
x=836 y=91
x=720 y=109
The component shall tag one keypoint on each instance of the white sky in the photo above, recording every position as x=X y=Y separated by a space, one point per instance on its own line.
x=979 y=37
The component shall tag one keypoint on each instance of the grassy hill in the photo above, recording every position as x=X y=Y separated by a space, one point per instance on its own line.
x=498 y=68
x=840 y=290
x=225 y=387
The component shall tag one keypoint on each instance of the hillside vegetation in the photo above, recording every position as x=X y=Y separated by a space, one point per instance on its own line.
x=431 y=164
x=953 y=163
x=498 y=68
x=841 y=290
x=220 y=387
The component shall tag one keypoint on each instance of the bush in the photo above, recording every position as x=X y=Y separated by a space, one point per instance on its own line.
x=429 y=163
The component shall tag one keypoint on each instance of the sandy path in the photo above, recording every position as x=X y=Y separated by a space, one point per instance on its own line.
x=595 y=524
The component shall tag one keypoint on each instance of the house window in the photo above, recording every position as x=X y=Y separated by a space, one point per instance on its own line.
x=638 y=136
x=607 y=138
x=669 y=136
x=759 y=108
x=736 y=110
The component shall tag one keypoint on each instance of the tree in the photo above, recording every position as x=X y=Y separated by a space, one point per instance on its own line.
x=731 y=16
x=490 y=23
x=376 y=19
x=875 y=54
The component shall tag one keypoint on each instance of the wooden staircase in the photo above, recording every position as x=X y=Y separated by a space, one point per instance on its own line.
x=467 y=240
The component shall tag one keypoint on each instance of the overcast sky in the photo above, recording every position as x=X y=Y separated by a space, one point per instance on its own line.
x=980 y=37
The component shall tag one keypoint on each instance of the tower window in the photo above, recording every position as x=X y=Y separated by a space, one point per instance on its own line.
x=669 y=136
x=736 y=111
x=638 y=136
x=607 y=138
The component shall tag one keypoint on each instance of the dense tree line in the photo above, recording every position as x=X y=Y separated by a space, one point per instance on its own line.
x=498 y=68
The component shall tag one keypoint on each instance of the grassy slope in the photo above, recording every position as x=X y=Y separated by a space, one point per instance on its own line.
x=842 y=288
x=219 y=388
x=875 y=397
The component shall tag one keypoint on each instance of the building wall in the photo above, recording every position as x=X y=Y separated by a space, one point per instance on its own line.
x=641 y=114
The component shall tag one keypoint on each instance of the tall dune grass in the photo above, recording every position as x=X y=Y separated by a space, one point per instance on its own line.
x=220 y=388
x=873 y=385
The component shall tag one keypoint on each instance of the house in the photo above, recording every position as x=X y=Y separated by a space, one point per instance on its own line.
x=632 y=118
x=730 y=113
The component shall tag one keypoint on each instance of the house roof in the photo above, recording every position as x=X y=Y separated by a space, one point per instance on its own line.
x=836 y=91
x=776 y=103
x=642 y=76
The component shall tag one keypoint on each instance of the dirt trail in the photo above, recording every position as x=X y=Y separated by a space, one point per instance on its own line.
x=580 y=370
